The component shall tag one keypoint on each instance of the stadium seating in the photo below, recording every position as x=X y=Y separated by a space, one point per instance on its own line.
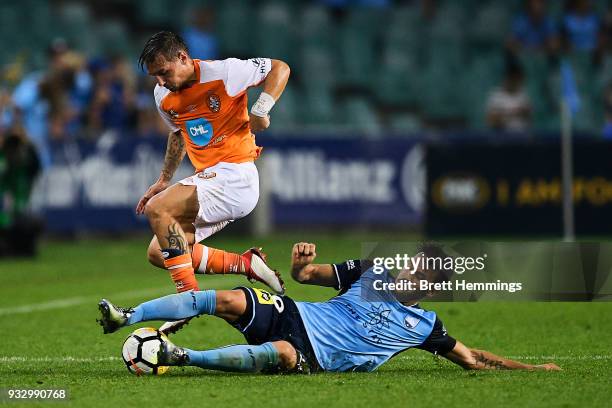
x=232 y=16
x=395 y=63
x=155 y=12
x=316 y=28
x=274 y=33
x=483 y=75
x=319 y=108
x=359 y=116
x=491 y=24
x=76 y=25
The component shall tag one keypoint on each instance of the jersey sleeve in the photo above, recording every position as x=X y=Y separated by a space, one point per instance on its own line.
x=349 y=272
x=159 y=94
x=438 y=342
x=242 y=74
x=167 y=120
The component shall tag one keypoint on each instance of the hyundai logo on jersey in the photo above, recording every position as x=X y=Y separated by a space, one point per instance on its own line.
x=200 y=131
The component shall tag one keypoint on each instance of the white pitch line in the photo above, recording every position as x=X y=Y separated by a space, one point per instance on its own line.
x=553 y=357
x=80 y=300
x=67 y=359
x=71 y=359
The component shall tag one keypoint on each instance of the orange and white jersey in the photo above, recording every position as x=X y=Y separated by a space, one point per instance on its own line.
x=212 y=114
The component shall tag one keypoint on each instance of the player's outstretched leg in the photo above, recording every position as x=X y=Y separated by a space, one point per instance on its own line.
x=171 y=307
x=208 y=260
x=267 y=357
x=113 y=317
x=251 y=263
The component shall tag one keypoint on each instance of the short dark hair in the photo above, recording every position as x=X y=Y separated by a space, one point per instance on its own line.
x=431 y=249
x=164 y=43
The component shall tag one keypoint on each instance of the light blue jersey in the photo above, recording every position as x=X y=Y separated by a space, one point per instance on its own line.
x=350 y=333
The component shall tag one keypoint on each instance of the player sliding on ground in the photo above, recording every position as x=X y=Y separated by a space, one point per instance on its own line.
x=358 y=330
x=204 y=104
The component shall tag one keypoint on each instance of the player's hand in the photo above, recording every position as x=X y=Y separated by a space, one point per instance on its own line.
x=156 y=188
x=547 y=367
x=303 y=254
x=258 y=123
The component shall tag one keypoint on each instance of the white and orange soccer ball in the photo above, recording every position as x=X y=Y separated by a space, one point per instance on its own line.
x=140 y=351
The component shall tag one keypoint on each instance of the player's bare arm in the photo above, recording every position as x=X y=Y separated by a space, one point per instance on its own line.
x=175 y=151
x=273 y=87
x=473 y=359
x=304 y=271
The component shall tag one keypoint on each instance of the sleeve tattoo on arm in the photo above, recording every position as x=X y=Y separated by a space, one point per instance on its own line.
x=488 y=363
x=175 y=151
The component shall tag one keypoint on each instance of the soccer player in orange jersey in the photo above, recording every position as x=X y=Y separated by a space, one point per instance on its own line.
x=204 y=104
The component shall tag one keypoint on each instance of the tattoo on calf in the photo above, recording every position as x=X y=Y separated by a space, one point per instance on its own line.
x=175 y=239
x=488 y=363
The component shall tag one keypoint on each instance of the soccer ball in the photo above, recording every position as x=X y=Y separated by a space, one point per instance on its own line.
x=140 y=351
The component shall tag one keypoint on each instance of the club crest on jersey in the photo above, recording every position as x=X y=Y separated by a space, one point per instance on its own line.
x=410 y=321
x=173 y=114
x=214 y=102
x=200 y=131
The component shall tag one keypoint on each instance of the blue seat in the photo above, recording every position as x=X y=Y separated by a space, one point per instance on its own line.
x=275 y=33
x=231 y=16
x=319 y=108
x=359 y=115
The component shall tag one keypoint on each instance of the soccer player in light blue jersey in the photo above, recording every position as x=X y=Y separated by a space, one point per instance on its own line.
x=358 y=330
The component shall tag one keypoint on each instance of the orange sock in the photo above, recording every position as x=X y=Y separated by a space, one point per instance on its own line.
x=216 y=261
x=182 y=273
x=199 y=252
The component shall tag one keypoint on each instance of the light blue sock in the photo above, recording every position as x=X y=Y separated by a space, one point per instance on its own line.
x=176 y=307
x=240 y=358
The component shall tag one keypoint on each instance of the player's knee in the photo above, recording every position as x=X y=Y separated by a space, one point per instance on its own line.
x=287 y=356
x=155 y=208
x=151 y=209
x=230 y=304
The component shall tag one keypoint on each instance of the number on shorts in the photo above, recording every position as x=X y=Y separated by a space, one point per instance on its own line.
x=266 y=298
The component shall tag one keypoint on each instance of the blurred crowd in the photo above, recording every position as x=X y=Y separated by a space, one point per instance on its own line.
x=80 y=96
x=580 y=31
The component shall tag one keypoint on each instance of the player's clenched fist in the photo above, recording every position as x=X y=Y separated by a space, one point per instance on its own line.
x=303 y=254
x=259 y=123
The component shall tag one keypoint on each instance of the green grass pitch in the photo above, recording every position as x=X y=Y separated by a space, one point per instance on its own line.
x=50 y=340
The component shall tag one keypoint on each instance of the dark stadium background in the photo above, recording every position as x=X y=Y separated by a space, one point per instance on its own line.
x=375 y=84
